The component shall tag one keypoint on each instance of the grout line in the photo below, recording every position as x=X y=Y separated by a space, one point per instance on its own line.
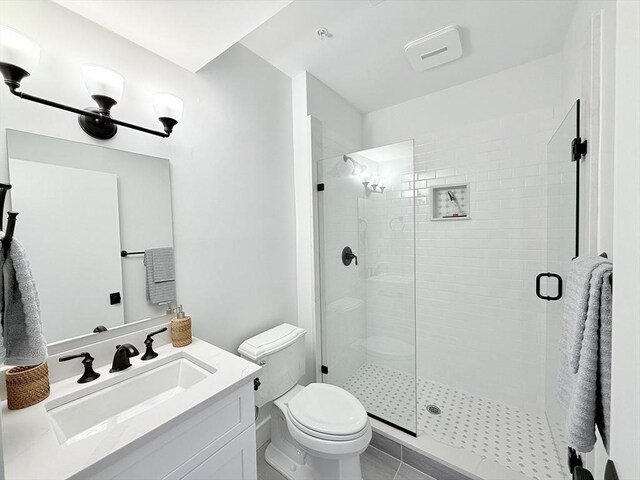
x=397 y=471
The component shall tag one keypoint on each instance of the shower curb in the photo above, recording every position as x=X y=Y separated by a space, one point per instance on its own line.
x=415 y=459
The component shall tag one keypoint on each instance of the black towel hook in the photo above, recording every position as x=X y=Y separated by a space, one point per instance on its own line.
x=8 y=234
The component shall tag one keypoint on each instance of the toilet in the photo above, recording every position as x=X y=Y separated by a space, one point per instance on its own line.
x=318 y=431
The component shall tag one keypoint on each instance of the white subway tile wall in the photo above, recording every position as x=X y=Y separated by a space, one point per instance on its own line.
x=480 y=327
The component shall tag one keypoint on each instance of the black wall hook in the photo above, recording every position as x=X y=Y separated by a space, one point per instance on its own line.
x=11 y=226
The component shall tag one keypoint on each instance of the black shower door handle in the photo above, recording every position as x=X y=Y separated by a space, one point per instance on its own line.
x=547 y=297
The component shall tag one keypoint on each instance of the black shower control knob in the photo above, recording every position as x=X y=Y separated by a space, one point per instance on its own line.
x=348 y=256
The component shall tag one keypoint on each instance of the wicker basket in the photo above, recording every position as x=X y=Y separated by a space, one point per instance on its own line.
x=181 y=331
x=27 y=386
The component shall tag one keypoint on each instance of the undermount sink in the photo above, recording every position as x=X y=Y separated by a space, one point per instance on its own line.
x=77 y=418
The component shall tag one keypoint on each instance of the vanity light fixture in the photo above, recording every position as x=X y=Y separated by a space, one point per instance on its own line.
x=19 y=57
x=374 y=184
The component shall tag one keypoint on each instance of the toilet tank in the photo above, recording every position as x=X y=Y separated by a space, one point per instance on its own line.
x=280 y=352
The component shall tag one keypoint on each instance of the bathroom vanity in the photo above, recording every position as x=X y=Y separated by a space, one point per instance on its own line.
x=186 y=414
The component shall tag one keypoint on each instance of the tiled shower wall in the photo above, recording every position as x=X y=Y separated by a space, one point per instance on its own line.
x=480 y=327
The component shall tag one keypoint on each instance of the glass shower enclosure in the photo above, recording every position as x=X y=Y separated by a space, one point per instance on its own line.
x=366 y=213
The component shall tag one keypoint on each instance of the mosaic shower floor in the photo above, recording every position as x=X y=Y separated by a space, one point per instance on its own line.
x=511 y=437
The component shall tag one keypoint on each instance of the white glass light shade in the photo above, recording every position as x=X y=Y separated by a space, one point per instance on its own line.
x=102 y=81
x=167 y=105
x=18 y=50
x=365 y=177
x=375 y=180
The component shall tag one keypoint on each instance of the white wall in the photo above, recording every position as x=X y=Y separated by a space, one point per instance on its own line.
x=231 y=160
x=519 y=89
x=625 y=372
x=480 y=327
x=324 y=125
x=588 y=73
x=342 y=125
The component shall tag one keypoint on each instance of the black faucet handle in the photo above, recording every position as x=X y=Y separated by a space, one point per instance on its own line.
x=149 y=339
x=85 y=355
x=89 y=374
x=149 y=353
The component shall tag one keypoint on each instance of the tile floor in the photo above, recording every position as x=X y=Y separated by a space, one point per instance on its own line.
x=376 y=465
x=511 y=437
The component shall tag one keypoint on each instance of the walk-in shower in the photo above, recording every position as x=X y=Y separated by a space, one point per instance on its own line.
x=438 y=330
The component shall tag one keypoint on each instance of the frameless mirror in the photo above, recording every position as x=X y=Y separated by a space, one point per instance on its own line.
x=79 y=207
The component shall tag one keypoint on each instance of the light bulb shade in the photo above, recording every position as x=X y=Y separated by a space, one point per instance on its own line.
x=103 y=82
x=168 y=106
x=18 y=50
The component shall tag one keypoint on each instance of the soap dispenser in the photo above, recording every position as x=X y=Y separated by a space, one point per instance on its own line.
x=181 y=329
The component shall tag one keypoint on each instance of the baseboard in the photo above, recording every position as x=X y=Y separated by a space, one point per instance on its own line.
x=263 y=432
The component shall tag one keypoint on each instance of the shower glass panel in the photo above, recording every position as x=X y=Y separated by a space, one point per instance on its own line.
x=562 y=247
x=366 y=217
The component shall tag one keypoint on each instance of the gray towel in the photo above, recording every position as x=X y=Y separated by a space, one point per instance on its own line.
x=22 y=336
x=584 y=378
x=160 y=272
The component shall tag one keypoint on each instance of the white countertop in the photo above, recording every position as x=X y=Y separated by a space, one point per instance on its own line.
x=32 y=449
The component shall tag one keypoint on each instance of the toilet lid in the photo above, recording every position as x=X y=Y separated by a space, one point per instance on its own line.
x=328 y=409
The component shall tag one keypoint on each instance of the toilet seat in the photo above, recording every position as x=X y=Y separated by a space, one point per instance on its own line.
x=327 y=412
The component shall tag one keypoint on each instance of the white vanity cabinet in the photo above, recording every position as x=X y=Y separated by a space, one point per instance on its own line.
x=213 y=441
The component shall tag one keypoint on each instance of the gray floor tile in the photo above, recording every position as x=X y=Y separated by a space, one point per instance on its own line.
x=429 y=466
x=266 y=471
x=386 y=445
x=377 y=465
x=409 y=473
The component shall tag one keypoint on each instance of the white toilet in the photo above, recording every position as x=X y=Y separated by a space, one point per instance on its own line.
x=318 y=431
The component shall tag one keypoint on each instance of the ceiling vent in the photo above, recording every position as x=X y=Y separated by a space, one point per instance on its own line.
x=439 y=47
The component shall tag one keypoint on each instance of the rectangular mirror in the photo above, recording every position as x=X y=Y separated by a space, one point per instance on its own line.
x=79 y=206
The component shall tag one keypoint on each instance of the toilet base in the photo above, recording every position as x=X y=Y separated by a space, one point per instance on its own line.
x=292 y=470
x=289 y=458
x=287 y=467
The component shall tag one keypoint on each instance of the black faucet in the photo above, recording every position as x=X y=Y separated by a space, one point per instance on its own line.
x=87 y=360
x=149 y=353
x=121 y=358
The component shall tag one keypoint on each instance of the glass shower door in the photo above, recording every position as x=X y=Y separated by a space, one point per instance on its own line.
x=562 y=247
x=367 y=274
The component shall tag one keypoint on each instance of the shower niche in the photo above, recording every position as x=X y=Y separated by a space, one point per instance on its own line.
x=450 y=202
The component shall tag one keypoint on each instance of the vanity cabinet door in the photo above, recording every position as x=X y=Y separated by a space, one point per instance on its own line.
x=179 y=448
x=235 y=461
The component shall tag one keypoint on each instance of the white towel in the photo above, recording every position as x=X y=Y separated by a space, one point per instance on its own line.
x=584 y=378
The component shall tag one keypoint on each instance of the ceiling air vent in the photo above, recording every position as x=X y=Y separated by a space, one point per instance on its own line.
x=439 y=47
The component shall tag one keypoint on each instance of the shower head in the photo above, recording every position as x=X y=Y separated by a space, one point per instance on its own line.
x=358 y=167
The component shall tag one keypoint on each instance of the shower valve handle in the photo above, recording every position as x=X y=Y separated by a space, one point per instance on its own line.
x=348 y=256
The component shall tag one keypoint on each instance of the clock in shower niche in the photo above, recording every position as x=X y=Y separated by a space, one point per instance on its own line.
x=450 y=202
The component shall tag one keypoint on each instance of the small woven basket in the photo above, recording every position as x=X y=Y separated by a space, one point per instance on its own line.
x=27 y=386
x=181 y=332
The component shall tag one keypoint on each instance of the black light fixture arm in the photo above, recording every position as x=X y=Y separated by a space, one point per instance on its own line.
x=103 y=118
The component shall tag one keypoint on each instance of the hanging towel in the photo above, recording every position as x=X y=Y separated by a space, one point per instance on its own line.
x=22 y=336
x=160 y=273
x=584 y=378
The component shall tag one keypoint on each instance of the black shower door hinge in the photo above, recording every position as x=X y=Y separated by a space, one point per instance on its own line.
x=324 y=369
x=321 y=187
x=578 y=149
